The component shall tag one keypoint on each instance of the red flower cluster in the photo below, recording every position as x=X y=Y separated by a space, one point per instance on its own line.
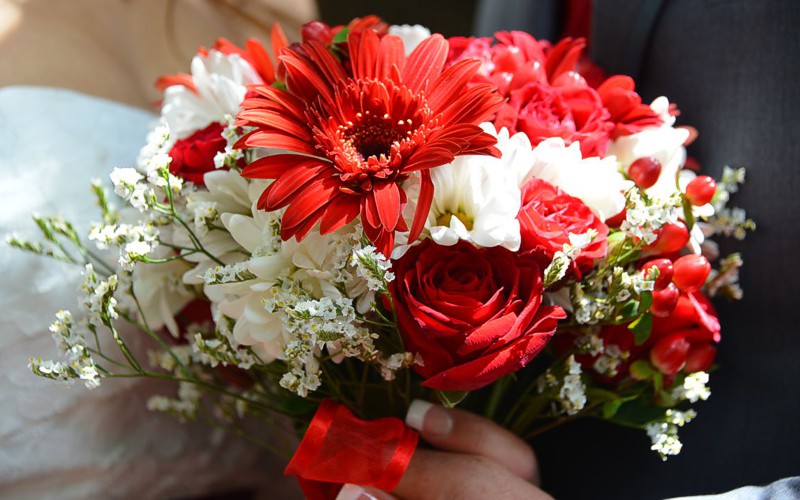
x=473 y=315
x=352 y=135
x=685 y=341
x=547 y=97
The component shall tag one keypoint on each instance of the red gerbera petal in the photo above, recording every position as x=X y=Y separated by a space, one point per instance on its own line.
x=369 y=124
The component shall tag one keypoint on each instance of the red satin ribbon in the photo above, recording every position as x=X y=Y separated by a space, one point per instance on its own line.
x=340 y=448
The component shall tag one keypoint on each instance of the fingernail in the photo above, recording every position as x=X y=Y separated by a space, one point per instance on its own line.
x=354 y=492
x=428 y=418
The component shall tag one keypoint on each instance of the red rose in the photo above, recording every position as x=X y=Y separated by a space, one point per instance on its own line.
x=547 y=217
x=194 y=156
x=570 y=109
x=473 y=315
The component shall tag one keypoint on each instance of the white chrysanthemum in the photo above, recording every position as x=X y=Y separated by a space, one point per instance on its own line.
x=220 y=82
x=411 y=35
x=596 y=181
x=477 y=198
x=307 y=262
x=664 y=143
x=228 y=193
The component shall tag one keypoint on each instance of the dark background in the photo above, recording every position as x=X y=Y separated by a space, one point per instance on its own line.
x=448 y=17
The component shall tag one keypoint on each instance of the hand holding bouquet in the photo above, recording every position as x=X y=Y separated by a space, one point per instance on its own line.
x=376 y=215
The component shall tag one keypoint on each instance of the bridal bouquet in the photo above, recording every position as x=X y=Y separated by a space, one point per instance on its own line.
x=320 y=233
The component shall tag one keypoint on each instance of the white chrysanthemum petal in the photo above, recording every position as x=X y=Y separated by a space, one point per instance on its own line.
x=411 y=35
x=596 y=181
x=220 y=83
x=243 y=229
x=477 y=198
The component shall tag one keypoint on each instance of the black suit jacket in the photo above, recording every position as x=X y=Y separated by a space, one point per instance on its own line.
x=733 y=68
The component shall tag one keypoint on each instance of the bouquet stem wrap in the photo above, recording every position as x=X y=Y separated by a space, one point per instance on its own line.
x=341 y=448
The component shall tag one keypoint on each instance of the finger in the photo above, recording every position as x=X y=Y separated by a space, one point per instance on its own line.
x=355 y=492
x=463 y=432
x=434 y=475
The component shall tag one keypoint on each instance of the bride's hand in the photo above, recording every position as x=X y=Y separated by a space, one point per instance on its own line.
x=474 y=459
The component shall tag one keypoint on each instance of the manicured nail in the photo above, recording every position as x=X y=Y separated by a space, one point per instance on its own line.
x=354 y=492
x=428 y=418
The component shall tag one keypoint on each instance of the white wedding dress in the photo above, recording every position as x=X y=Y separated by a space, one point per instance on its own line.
x=69 y=442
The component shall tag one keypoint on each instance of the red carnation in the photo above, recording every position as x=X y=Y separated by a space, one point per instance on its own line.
x=360 y=135
x=473 y=315
x=625 y=106
x=571 y=110
x=547 y=217
x=193 y=157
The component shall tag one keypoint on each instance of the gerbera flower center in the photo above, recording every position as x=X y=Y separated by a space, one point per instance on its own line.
x=369 y=129
x=374 y=137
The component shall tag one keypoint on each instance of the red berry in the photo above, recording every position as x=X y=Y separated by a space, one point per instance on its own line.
x=665 y=301
x=645 y=172
x=669 y=354
x=700 y=358
x=664 y=272
x=690 y=272
x=671 y=238
x=700 y=190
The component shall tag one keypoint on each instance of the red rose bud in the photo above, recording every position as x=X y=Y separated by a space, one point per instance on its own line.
x=700 y=358
x=671 y=238
x=664 y=301
x=316 y=31
x=691 y=272
x=669 y=354
x=664 y=267
x=645 y=172
x=701 y=190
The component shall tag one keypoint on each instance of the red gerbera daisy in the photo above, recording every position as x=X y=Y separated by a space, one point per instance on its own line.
x=360 y=135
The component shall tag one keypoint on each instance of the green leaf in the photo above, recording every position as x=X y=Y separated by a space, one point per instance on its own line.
x=658 y=380
x=688 y=216
x=641 y=328
x=641 y=370
x=279 y=85
x=610 y=408
x=646 y=300
x=597 y=394
x=637 y=413
x=630 y=309
x=341 y=36
x=451 y=399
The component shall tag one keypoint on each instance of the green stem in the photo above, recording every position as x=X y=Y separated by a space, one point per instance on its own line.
x=498 y=390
